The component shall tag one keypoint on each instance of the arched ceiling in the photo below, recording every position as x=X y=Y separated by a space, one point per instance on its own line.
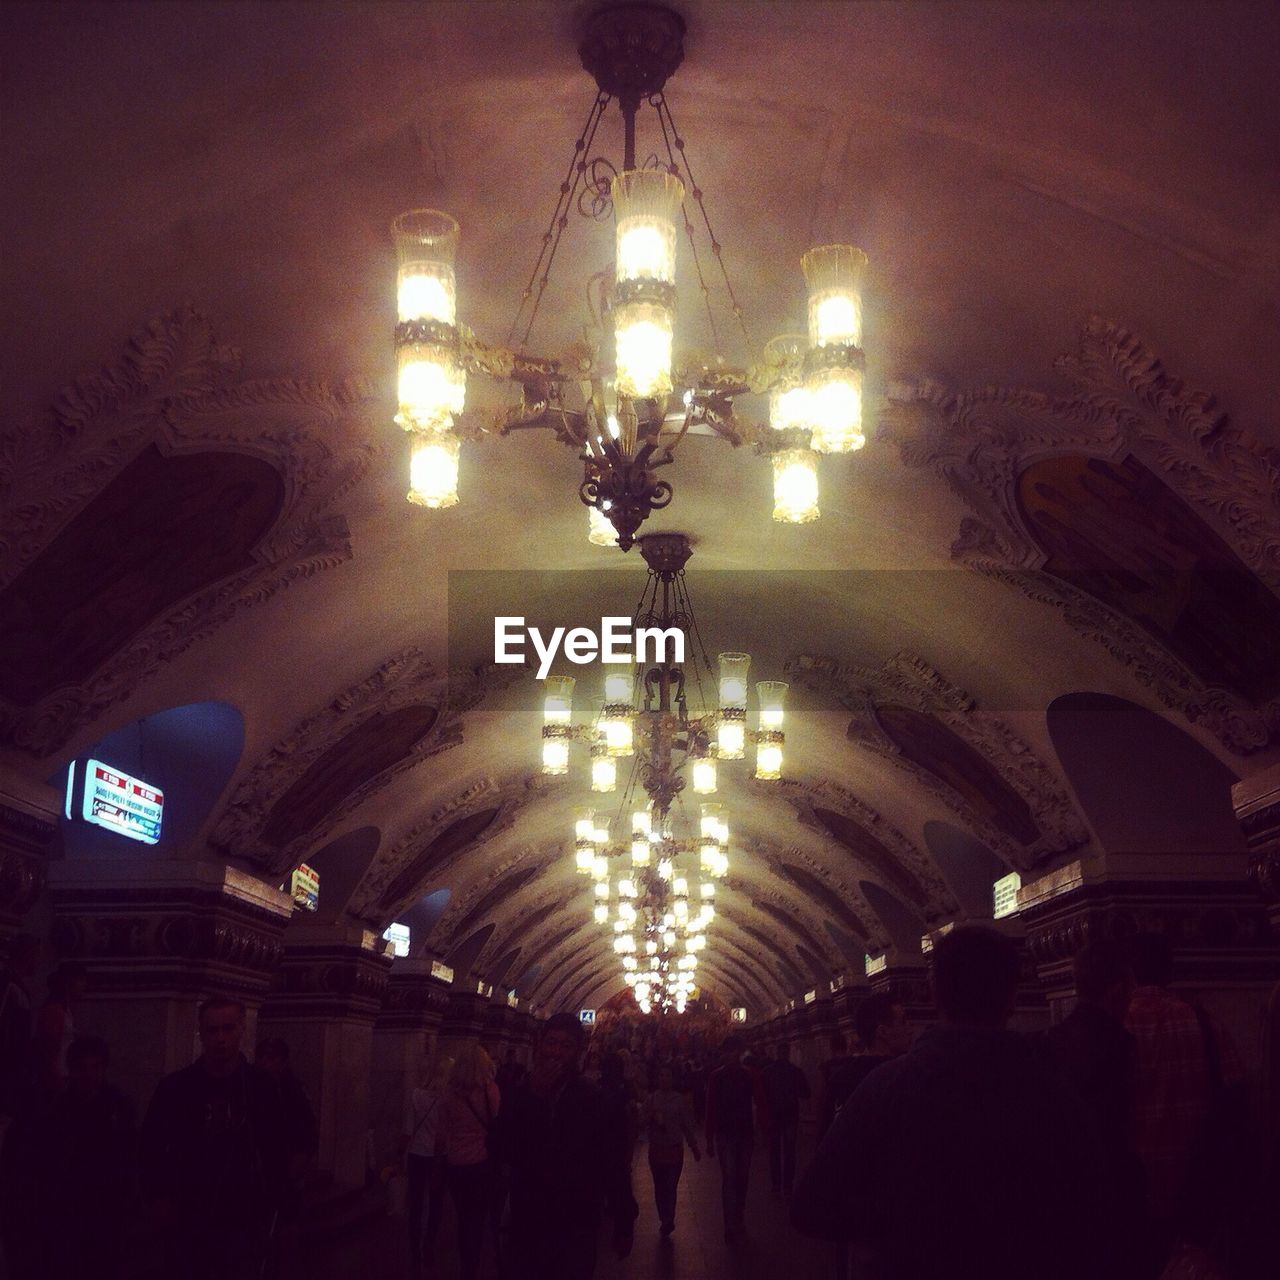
x=1011 y=170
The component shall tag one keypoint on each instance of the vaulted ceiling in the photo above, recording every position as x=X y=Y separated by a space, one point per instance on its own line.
x=201 y=500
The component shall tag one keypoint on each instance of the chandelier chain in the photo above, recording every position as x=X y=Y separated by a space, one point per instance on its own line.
x=664 y=114
x=559 y=220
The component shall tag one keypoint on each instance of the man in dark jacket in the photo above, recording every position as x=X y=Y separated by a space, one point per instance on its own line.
x=214 y=1155
x=568 y=1156
x=734 y=1095
x=785 y=1088
x=966 y=1155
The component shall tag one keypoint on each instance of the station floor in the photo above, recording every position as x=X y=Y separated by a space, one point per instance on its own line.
x=771 y=1250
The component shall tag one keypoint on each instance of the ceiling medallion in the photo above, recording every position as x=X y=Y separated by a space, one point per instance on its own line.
x=654 y=858
x=626 y=405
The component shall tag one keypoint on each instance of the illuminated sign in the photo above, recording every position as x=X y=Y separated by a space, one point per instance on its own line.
x=876 y=964
x=128 y=806
x=305 y=888
x=398 y=936
x=441 y=970
x=513 y=1000
x=738 y=1015
x=810 y=997
x=1005 y=895
x=587 y=1017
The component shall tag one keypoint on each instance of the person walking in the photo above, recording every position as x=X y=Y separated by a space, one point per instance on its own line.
x=467 y=1116
x=733 y=1095
x=214 y=1155
x=424 y=1164
x=670 y=1123
x=785 y=1087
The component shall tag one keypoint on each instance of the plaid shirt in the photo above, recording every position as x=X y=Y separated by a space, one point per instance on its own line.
x=1171 y=1090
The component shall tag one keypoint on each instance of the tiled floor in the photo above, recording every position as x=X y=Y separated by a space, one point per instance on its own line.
x=697 y=1251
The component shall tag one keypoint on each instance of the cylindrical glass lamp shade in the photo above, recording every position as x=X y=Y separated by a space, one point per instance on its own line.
x=618 y=689
x=600 y=913
x=645 y=203
x=602 y=890
x=604 y=770
x=433 y=470
x=557 y=701
x=789 y=397
x=772 y=695
x=426 y=245
x=835 y=406
x=640 y=853
x=769 y=761
x=733 y=680
x=618 y=739
x=704 y=777
x=711 y=823
x=642 y=822
x=432 y=386
x=833 y=274
x=731 y=734
x=642 y=349
x=795 y=486
x=555 y=755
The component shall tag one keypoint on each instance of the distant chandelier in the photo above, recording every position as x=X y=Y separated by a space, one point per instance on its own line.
x=631 y=414
x=650 y=866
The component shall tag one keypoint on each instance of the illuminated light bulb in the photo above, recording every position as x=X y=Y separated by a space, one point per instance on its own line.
x=604 y=772
x=837 y=410
x=601 y=913
x=617 y=736
x=668 y=919
x=669 y=938
x=641 y=822
x=704 y=777
x=795 y=486
x=639 y=853
x=629 y=963
x=584 y=826
x=645 y=1007
x=646 y=249
x=642 y=335
x=628 y=978
x=731 y=739
x=600 y=868
x=681 y=909
x=600 y=533
x=833 y=275
x=626 y=888
x=619 y=926
x=584 y=861
x=431 y=389
x=733 y=679
x=665 y=868
x=626 y=912
x=602 y=890
x=557 y=700
x=645 y=203
x=709 y=823
x=433 y=471
x=555 y=755
x=600 y=833
x=769 y=761
x=651 y=947
x=427 y=294
x=707 y=889
x=680 y=887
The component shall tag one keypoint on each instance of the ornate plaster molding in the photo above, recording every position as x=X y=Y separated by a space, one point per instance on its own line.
x=909 y=680
x=979 y=442
x=510 y=796
x=405 y=679
x=173 y=388
x=461 y=904
x=806 y=796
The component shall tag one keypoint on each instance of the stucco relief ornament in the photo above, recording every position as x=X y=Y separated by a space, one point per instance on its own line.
x=509 y=796
x=174 y=389
x=486 y=880
x=405 y=680
x=910 y=681
x=979 y=442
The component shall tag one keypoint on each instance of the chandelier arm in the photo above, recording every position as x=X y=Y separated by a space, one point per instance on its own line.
x=665 y=110
x=559 y=220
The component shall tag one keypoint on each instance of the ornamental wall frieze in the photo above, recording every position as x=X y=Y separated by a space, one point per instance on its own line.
x=526 y=863
x=922 y=877
x=174 y=390
x=406 y=680
x=497 y=804
x=786 y=910
x=1125 y=404
x=907 y=680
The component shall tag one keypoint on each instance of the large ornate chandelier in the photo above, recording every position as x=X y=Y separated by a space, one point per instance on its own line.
x=653 y=858
x=627 y=410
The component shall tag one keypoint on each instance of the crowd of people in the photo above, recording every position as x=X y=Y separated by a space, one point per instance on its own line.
x=1116 y=1144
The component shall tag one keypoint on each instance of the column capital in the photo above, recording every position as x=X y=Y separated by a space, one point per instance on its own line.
x=167 y=928
x=415 y=1000
x=329 y=971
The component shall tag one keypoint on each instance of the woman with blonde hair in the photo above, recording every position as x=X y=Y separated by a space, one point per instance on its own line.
x=424 y=1166
x=470 y=1107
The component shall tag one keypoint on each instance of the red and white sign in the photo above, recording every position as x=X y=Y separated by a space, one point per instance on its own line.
x=120 y=803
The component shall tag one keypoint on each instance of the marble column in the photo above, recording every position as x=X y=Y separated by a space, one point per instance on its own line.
x=328 y=991
x=1225 y=952
x=157 y=937
x=405 y=1037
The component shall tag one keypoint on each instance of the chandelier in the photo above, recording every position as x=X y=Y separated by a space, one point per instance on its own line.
x=653 y=859
x=627 y=409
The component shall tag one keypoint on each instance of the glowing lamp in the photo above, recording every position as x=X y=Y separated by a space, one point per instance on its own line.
x=433 y=470
x=836 y=409
x=600 y=913
x=833 y=275
x=795 y=486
